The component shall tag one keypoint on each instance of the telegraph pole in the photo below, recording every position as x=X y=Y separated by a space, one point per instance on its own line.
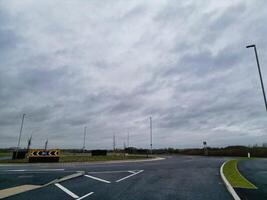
x=21 y=127
x=84 y=135
x=150 y=118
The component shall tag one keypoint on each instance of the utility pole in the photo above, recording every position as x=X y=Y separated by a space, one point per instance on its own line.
x=259 y=69
x=84 y=135
x=22 y=122
x=46 y=142
x=150 y=135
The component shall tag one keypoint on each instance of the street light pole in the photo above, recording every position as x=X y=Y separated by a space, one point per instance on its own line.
x=150 y=118
x=258 y=64
x=128 y=139
x=22 y=122
x=84 y=135
x=114 y=143
x=46 y=142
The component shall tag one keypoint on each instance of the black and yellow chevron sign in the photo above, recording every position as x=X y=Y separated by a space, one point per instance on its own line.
x=44 y=153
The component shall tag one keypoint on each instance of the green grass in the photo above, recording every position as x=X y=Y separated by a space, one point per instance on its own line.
x=5 y=154
x=234 y=177
x=80 y=157
x=15 y=161
x=87 y=158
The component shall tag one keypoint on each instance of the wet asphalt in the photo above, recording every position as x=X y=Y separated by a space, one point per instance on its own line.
x=176 y=177
x=255 y=170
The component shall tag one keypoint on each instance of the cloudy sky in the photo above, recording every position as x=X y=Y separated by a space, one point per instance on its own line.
x=109 y=65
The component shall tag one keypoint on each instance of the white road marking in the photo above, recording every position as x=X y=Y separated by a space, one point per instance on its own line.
x=15 y=170
x=32 y=170
x=50 y=170
x=85 y=195
x=98 y=179
x=26 y=172
x=132 y=172
x=109 y=172
x=26 y=176
x=67 y=191
x=129 y=176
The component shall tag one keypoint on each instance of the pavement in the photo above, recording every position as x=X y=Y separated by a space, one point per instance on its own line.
x=255 y=170
x=176 y=177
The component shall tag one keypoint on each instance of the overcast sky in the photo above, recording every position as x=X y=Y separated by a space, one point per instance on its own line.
x=109 y=65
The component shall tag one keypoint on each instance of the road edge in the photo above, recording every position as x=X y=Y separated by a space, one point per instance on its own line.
x=228 y=185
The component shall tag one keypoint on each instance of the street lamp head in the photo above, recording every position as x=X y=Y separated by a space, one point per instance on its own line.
x=249 y=46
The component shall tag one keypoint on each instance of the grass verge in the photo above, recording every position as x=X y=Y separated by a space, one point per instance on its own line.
x=85 y=158
x=5 y=154
x=81 y=158
x=234 y=177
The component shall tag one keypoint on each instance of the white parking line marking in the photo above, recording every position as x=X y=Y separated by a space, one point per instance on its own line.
x=129 y=176
x=85 y=195
x=67 y=191
x=132 y=172
x=98 y=179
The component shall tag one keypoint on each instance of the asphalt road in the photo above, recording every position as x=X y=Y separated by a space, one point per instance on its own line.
x=176 y=177
x=256 y=172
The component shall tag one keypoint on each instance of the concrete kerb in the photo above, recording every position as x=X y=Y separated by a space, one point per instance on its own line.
x=25 y=188
x=228 y=185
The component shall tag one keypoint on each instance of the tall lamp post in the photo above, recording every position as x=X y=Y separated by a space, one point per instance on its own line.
x=21 y=127
x=150 y=119
x=258 y=64
x=84 y=135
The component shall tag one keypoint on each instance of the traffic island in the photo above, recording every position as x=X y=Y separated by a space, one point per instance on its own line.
x=234 y=180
